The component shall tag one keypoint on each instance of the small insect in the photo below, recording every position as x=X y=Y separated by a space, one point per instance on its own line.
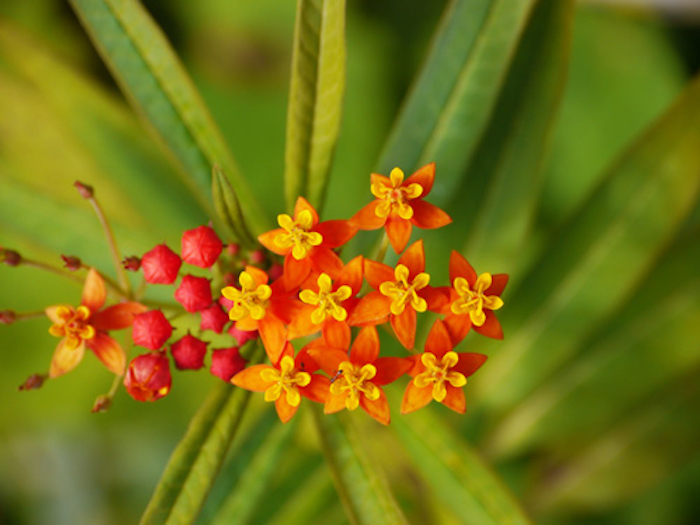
x=338 y=373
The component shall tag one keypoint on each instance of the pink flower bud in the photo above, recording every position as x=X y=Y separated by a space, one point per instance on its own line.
x=7 y=317
x=102 y=404
x=86 y=192
x=148 y=377
x=33 y=382
x=151 y=329
x=213 y=318
x=161 y=265
x=242 y=336
x=201 y=246
x=194 y=293
x=10 y=257
x=71 y=262
x=233 y=249
x=189 y=353
x=226 y=363
x=256 y=257
x=133 y=264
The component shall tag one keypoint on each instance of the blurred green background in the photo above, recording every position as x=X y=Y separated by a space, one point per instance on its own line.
x=617 y=431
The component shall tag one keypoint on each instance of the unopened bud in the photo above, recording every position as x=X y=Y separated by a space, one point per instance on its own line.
x=71 y=262
x=10 y=257
x=7 y=317
x=201 y=246
x=102 y=404
x=161 y=265
x=148 y=377
x=256 y=257
x=226 y=363
x=33 y=382
x=194 y=293
x=151 y=329
x=233 y=249
x=86 y=192
x=188 y=353
x=132 y=263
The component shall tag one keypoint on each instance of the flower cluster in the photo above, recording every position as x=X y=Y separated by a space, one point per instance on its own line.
x=315 y=314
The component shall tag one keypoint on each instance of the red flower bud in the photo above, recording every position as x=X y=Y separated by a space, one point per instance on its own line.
x=102 y=404
x=201 y=246
x=194 y=293
x=7 y=317
x=160 y=265
x=33 y=382
x=256 y=257
x=71 y=262
x=242 y=336
x=86 y=192
x=148 y=377
x=10 y=257
x=189 y=353
x=226 y=363
x=151 y=329
x=133 y=263
x=213 y=318
x=233 y=249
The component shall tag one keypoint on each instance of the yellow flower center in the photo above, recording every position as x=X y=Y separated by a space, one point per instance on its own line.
x=355 y=380
x=73 y=325
x=474 y=301
x=328 y=302
x=403 y=293
x=286 y=380
x=437 y=373
x=297 y=236
x=395 y=197
x=251 y=299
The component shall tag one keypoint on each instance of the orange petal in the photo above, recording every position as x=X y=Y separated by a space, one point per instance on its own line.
x=273 y=335
x=469 y=363
x=352 y=275
x=335 y=233
x=438 y=298
x=317 y=390
x=304 y=362
x=301 y=205
x=455 y=399
x=325 y=260
x=285 y=411
x=376 y=178
x=498 y=283
x=428 y=216
x=423 y=176
x=65 y=359
x=415 y=398
x=399 y=232
x=458 y=327
x=378 y=409
x=51 y=312
x=376 y=273
x=249 y=378
x=372 y=309
x=491 y=327
x=404 y=326
x=94 y=291
x=414 y=259
x=439 y=341
x=416 y=365
x=109 y=352
x=301 y=324
x=267 y=239
x=295 y=271
x=258 y=275
x=365 y=349
x=460 y=267
x=117 y=317
x=336 y=333
x=328 y=359
x=334 y=403
x=367 y=219
x=285 y=308
x=389 y=369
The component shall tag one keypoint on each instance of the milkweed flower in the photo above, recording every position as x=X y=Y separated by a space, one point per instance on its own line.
x=148 y=377
x=399 y=206
x=87 y=325
x=439 y=373
x=307 y=244
x=359 y=375
x=284 y=383
x=473 y=300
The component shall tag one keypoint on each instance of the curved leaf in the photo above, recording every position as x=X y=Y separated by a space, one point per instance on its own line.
x=315 y=98
x=228 y=209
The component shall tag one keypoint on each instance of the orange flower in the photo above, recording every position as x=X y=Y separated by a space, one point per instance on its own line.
x=473 y=299
x=328 y=305
x=399 y=206
x=87 y=326
x=262 y=307
x=439 y=373
x=357 y=378
x=284 y=383
x=307 y=244
x=399 y=293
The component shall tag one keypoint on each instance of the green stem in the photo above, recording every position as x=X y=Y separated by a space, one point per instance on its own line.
x=52 y=269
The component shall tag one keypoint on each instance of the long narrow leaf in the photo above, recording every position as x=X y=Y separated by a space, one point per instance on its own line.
x=315 y=98
x=152 y=77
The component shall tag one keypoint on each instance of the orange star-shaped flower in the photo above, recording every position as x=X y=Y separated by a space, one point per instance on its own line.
x=284 y=383
x=399 y=294
x=439 y=373
x=473 y=299
x=357 y=377
x=399 y=206
x=87 y=325
x=328 y=304
x=307 y=244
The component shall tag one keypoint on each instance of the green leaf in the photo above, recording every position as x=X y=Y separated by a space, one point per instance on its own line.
x=196 y=460
x=361 y=487
x=228 y=208
x=153 y=79
x=315 y=98
x=585 y=272
x=451 y=102
x=458 y=477
x=498 y=199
